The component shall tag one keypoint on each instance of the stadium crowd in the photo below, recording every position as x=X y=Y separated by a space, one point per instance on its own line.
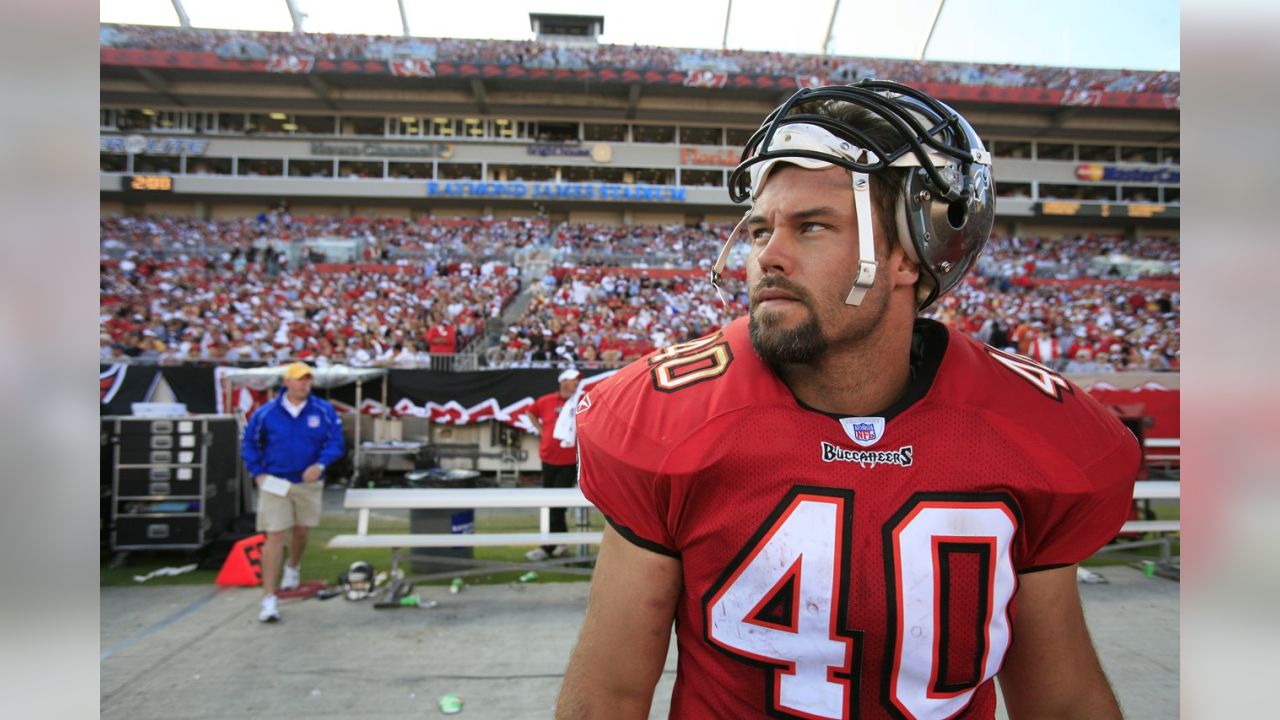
x=244 y=44
x=1072 y=328
x=379 y=238
x=176 y=289
x=214 y=309
x=604 y=317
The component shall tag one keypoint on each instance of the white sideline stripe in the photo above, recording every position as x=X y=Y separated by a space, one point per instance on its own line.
x=1163 y=443
x=445 y=540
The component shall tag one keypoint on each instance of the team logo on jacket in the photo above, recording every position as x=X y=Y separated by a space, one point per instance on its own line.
x=583 y=405
x=313 y=421
x=902 y=457
x=866 y=431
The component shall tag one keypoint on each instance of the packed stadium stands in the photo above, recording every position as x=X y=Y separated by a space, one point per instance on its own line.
x=243 y=44
x=176 y=289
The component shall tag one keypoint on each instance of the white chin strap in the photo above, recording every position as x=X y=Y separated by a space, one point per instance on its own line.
x=866 y=240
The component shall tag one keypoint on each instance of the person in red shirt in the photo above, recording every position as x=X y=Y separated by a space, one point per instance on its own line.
x=442 y=339
x=558 y=451
x=846 y=510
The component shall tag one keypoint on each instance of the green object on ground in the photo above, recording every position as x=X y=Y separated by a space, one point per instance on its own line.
x=450 y=704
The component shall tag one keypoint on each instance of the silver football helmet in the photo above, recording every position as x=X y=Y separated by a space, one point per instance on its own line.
x=946 y=206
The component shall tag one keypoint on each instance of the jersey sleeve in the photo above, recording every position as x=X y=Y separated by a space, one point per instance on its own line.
x=1082 y=510
x=618 y=471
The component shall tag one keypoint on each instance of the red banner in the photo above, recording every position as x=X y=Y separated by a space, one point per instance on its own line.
x=705 y=78
x=296 y=64
x=410 y=67
x=1162 y=406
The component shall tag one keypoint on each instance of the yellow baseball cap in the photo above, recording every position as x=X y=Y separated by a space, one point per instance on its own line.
x=297 y=370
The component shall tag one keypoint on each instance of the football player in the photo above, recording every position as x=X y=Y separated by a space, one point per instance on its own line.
x=848 y=511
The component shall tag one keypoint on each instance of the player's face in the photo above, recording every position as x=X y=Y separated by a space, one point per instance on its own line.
x=804 y=254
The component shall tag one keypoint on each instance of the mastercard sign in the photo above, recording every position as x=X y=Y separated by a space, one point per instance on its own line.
x=1091 y=173
x=1109 y=173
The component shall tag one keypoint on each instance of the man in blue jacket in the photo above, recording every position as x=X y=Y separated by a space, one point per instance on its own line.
x=288 y=443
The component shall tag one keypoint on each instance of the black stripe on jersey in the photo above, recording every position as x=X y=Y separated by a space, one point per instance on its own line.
x=945 y=552
x=638 y=541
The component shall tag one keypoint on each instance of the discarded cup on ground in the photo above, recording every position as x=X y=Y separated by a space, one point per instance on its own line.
x=529 y=577
x=1148 y=568
x=456 y=586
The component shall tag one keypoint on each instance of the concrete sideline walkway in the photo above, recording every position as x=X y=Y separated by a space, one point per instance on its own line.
x=196 y=652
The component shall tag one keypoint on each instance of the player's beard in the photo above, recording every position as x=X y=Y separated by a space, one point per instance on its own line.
x=803 y=343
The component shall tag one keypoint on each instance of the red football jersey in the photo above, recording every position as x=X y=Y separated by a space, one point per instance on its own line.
x=851 y=567
x=550 y=450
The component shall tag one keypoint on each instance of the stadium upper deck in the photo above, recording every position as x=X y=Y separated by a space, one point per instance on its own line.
x=230 y=121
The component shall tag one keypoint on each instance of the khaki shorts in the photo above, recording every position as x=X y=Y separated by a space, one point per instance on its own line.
x=300 y=507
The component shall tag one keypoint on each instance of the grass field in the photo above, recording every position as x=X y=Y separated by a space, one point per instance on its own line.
x=322 y=563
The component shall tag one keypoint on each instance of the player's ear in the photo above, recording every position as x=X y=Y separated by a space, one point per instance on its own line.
x=902 y=270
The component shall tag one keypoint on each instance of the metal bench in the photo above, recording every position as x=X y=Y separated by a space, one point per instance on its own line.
x=447 y=498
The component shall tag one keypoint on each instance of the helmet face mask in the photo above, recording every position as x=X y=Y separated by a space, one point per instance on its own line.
x=945 y=205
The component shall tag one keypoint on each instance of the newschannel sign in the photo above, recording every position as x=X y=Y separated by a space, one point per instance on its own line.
x=608 y=192
x=444 y=151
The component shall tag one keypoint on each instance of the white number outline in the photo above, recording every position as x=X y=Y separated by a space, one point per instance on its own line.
x=838 y=620
x=895 y=637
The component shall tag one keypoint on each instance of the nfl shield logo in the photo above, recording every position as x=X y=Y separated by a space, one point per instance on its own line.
x=865 y=431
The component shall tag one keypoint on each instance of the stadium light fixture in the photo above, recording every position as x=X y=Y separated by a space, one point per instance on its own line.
x=289 y=127
x=148 y=111
x=933 y=25
x=278 y=116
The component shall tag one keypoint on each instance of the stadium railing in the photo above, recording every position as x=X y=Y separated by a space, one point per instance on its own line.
x=368 y=500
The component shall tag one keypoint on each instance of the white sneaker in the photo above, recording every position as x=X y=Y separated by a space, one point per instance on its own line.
x=536 y=555
x=269 y=611
x=560 y=551
x=292 y=576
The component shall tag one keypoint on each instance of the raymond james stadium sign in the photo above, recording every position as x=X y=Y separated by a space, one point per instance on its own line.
x=443 y=151
x=555 y=191
x=1111 y=173
x=135 y=144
